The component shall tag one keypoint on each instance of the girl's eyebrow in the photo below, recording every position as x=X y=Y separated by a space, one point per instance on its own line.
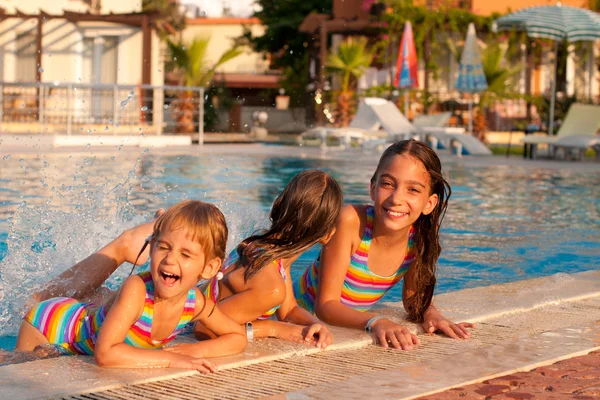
x=384 y=175
x=416 y=183
x=185 y=250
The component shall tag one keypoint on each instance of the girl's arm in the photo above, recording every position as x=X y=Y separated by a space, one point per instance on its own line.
x=264 y=291
x=111 y=350
x=230 y=337
x=295 y=323
x=291 y=312
x=433 y=320
x=335 y=259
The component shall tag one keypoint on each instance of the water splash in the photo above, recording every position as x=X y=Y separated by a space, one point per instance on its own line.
x=127 y=100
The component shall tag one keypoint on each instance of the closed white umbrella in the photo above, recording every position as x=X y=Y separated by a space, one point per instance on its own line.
x=471 y=78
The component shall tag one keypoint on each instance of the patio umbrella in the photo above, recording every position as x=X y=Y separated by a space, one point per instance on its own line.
x=471 y=78
x=556 y=23
x=406 y=65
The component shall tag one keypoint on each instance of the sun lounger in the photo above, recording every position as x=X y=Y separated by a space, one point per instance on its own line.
x=439 y=136
x=378 y=121
x=577 y=132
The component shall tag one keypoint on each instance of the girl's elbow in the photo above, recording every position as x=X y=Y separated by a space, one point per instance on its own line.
x=321 y=312
x=103 y=358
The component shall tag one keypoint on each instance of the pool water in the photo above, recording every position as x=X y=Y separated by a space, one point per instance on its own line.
x=503 y=223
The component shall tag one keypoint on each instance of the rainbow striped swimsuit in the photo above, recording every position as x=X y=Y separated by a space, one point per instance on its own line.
x=362 y=288
x=212 y=289
x=73 y=326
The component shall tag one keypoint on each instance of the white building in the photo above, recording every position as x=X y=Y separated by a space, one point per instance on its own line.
x=75 y=49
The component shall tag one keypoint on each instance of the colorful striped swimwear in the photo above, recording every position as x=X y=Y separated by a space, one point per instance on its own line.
x=212 y=289
x=73 y=326
x=362 y=288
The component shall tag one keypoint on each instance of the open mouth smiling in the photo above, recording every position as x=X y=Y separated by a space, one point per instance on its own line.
x=169 y=278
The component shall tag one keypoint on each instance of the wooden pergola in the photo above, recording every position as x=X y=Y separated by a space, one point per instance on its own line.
x=320 y=26
x=144 y=20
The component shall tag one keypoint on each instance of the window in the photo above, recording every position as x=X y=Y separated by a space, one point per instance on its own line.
x=25 y=52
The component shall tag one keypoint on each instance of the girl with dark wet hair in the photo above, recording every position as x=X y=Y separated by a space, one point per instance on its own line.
x=376 y=246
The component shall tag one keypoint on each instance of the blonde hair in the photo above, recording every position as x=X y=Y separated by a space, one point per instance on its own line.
x=204 y=222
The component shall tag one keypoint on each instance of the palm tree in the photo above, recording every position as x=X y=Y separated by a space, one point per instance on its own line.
x=500 y=75
x=350 y=62
x=191 y=64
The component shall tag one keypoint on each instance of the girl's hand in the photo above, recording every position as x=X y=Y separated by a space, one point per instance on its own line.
x=391 y=334
x=319 y=333
x=439 y=323
x=199 y=364
x=302 y=334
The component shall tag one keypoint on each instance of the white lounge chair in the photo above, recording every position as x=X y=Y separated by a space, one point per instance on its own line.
x=439 y=136
x=378 y=122
x=577 y=132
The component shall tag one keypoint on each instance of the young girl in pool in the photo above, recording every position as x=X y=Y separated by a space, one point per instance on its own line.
x=151 y=308
x=256 y=280
x=375 y=246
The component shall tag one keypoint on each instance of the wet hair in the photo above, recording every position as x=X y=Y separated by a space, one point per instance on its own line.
x=305 y=212
x=204 y=223
x=427 y=227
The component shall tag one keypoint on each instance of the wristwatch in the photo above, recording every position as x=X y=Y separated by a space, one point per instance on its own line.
x=249 y=331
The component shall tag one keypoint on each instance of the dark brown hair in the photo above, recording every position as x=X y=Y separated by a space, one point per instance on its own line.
x=427 y=227
x=204 y=222
x=305 y=212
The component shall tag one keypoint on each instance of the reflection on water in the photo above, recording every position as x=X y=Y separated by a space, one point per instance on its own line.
x=503 y=223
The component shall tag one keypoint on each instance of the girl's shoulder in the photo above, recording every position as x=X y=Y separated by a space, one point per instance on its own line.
x=353 y=216
x=352 y=222
x=203 y=303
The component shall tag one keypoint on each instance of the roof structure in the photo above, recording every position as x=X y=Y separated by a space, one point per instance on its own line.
x=144 y=20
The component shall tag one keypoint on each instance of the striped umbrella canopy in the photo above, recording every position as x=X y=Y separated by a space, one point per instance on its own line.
x=406 y=65
x=471 y=78
x=553 y=22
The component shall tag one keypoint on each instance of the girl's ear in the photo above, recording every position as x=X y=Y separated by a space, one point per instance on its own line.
x=211 y=268
x=431 y=203
x=372 y=190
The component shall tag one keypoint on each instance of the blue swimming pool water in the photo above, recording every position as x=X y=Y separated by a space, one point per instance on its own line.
x=504 y=223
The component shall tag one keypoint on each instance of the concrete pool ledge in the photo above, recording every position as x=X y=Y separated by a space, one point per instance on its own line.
x=521 y=325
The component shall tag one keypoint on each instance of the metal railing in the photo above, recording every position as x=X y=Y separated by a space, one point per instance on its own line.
x=79 y=108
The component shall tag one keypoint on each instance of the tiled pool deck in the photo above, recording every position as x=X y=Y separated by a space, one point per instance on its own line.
x=522 y=326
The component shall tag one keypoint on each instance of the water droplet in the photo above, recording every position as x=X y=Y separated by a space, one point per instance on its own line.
x=146 y=151
x=40 y=69
x=6 y=157
x=106 y=128
x=89 y=145
x=166 y=106
x=144 y=108
x=221 y=161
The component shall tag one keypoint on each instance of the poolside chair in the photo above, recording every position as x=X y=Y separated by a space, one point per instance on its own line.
x=439 y=136
x=377 y=122
x=578 y=132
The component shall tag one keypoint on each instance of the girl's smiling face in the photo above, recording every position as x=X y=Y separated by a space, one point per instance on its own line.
x=401 y=192
x=178 y=263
